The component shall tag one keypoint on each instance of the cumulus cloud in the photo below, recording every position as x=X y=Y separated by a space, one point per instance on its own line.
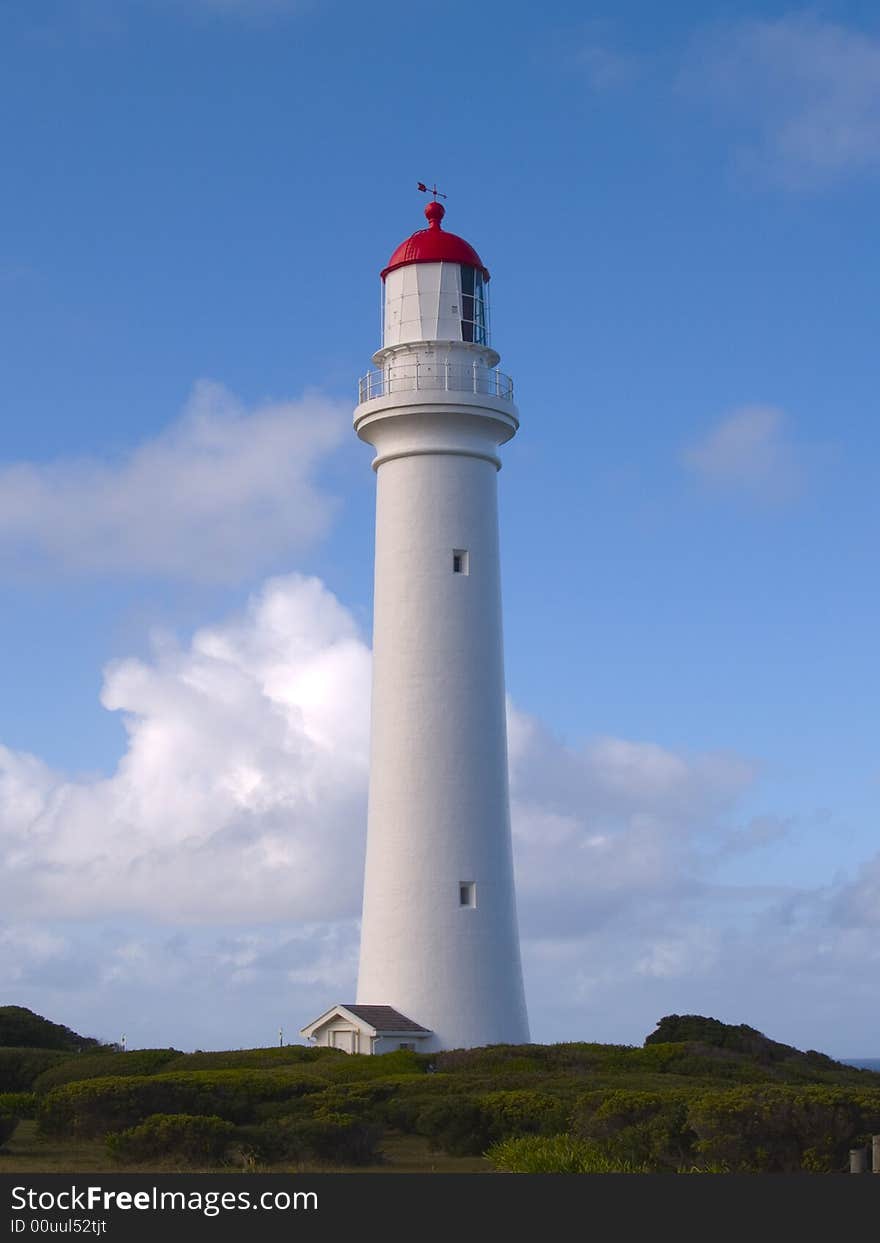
x=241 y=793
x=605 y=826
x=749 y=451
x=801 y=93
x=220 y=493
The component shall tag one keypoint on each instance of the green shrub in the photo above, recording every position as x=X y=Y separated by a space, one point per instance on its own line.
x=782 y=1129
x=465 y=1125
x=8 y=1123
x=325 y=1136
x=274 y=1058
x=103 y=1066
x=748 y=1051
x=96 y=1106
x=409 y=1095
x=341 y=1138
x=20 y=1067
x=20 y=1104
x=459 y=1126
x=358 y=1067
x=572 y=1066
x=644 y=1128
x=276 y=1140
x=361 y=1100
x=523 y=1112
x=191 y=1138
x=506 y=1060
x=556 y=1154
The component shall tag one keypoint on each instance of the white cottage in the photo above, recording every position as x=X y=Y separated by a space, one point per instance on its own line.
x=366 y=1029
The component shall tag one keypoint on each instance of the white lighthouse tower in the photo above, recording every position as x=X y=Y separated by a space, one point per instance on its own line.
x=439 y=940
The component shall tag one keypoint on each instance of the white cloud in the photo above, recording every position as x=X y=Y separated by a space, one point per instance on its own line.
x=241 y=794
x=606 y=826
x=748 y=451
x=802 y=94
x=219 y=494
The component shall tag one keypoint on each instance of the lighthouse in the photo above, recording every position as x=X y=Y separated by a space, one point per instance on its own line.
x=439 y=958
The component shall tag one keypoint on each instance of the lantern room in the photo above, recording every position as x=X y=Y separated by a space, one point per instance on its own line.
x=436 y=288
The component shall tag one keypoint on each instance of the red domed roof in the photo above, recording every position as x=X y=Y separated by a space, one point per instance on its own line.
x=434 y=244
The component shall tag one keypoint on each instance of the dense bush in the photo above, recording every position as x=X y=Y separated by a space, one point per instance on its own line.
x=704 y=1051
x=465 y=1125
x=556 y=1154
x=362 y=1100
x=644 y=1128
x=593 y=1064
x=752 y=1046
x=763 y=1129
x=273 y=1058
x=527 y=1059
x=523 y=1113
x=325 y=1136
x=104 y=1065
x=20 y=1067
x=97 y=1106
x=193 y=1139
x=457 y=1125
x=358 y=1067
x=21 y=1028
x=405 y=1097
x=780 y=1129
x=341 y=1138
x=21 y=1104
x=270 y=1142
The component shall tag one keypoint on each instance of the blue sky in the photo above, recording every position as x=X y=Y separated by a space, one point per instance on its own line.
x=678 y=206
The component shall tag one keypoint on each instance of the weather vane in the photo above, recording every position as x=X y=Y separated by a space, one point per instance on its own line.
x=430 y=190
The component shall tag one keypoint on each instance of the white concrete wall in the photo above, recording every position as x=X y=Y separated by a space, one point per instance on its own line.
x=390 y=1044
x=438 y=809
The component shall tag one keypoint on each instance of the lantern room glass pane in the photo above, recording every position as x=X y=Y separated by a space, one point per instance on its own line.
x=474 y=319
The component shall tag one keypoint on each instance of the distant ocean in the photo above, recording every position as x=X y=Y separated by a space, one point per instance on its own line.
x=863 y=1063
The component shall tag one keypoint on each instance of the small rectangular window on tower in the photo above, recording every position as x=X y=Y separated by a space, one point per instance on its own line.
x=467 y=893
x=459 y=561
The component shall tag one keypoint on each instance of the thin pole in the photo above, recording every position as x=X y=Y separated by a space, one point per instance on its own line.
x=858 y=1160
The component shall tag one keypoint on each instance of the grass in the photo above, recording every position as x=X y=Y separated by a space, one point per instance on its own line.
x=27 y=1153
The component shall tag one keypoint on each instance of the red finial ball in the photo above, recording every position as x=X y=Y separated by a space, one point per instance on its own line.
x=435 y=212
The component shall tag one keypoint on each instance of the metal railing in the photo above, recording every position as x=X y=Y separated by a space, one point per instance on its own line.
x=441 y=377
